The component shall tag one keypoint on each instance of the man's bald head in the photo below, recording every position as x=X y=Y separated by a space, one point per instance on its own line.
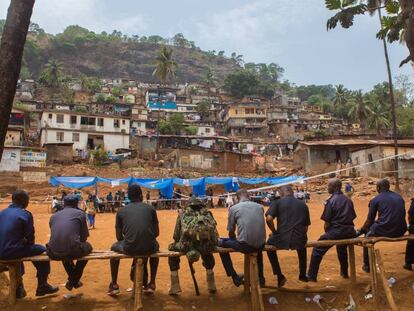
x=242 y=194
x=383 y=185
x=334 y=185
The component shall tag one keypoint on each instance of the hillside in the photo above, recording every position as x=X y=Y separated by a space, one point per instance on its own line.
x=81 y=51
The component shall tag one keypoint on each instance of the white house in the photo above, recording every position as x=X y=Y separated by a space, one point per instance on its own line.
x=84 y=130
x=206 y=130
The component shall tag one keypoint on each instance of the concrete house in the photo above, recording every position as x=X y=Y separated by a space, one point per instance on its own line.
x=85 y=131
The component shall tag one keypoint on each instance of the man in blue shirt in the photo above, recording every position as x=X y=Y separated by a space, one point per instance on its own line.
x=390 y=207
x=409 y=252
x=338 y=215
x=17 y=240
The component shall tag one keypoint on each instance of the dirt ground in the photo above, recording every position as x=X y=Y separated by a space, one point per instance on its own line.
x=92 y=296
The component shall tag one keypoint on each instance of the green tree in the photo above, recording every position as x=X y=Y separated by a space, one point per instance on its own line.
x=191 y=130
x=52 y=75
x=116 y=91
x=241 y=83
x=359 y=109
x=165 y=65
x=174 y=125
x=91 y=84
x=378 y=118
x=203 y=109
x=341 y=96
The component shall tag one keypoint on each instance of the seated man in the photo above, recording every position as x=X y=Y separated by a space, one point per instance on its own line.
x=136 y=231
x=338 y=215
x=292 y=226
x=248 y=217
x=17 y=240
x=68 y=235
x=390 y=207
x=409 y=252
x=196 y=235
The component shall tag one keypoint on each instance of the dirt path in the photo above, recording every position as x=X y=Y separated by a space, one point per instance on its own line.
x=97 y=274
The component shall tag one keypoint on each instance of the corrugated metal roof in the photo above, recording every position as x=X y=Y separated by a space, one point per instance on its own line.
x=357 y=142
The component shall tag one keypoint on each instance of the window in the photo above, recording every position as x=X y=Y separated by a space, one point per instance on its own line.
x=59 y=118
x=100 y=122
x=370 y=158
x=123 y=122
x=75 y=137
x=207 y=130
x=50 y=116
x=235 y=111
x=116 y=123
x=88 y=121
x=60 y=136
x=73 y=119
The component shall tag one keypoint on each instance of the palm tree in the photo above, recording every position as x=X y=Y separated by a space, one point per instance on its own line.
x=165 y=66
x=378 y=118
x=359 y=108
x=341 y=96
x=52 y=75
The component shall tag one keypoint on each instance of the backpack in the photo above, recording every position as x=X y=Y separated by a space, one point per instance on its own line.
x=198 y=232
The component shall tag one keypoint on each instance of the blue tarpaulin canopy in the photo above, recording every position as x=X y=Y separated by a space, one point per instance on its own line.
x=166 y=185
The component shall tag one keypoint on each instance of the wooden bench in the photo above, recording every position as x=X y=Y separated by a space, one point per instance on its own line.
x=251 y=283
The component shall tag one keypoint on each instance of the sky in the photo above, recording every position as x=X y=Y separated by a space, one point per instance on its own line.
x=291 y=33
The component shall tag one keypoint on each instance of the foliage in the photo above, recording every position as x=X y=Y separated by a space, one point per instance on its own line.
x=52 y=75
x=203 y=109
x=173 y=126
x=100 y=156
x=306 y=91
x=81 y=109
x=359 y=108
x=209 y=78
x=241 y=83
x=237 y=59
x=25 y=73
x=270 y=73
x=405 y=116
x=116 y=91
x=90 y=84
x=191 y=130
x=165 y=65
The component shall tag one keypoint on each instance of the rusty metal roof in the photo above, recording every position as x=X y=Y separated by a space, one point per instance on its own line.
x=358 y=142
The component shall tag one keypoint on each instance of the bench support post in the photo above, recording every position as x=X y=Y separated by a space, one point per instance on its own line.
x=387 y=289
x=351 y=255
x=14 y=277
x=255 y=290
x=246 y=274
x=373 y=272
x=138 y=283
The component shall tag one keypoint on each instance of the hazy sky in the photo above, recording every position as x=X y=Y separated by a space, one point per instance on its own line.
x=291 y=33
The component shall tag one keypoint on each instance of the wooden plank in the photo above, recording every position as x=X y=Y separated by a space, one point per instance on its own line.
x=387 y=289
x=138 y=283
x=14 y=277
x=351 y=255
x=255 y=290
x=246 y=274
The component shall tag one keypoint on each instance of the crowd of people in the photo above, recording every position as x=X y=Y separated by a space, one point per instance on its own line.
x=196 y=235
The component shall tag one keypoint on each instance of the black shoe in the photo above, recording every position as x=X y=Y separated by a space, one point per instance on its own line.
x=238 y=279
x=46 y=289
x=344 y=275
x=281 y=281
x=408 y=267
x=303 y=279
x=365 y=268
x=20 y=292
x=113 y=290
x=70 y=286
x=311 y=279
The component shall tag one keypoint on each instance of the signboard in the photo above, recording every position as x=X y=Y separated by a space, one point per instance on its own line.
x=33 y=159
x=10 y=160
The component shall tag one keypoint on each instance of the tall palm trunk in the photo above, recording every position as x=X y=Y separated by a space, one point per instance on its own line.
x=392 y=101
x=11 y=53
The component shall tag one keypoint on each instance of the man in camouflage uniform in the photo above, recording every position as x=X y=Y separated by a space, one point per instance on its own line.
x=189 y=238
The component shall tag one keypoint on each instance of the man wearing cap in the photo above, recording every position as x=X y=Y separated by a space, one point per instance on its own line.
x=248 y=217
x=338 y=215
x=390 y=207
x=68 y=236
x=202 y=245
x=136 y=230
x=17 y=240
